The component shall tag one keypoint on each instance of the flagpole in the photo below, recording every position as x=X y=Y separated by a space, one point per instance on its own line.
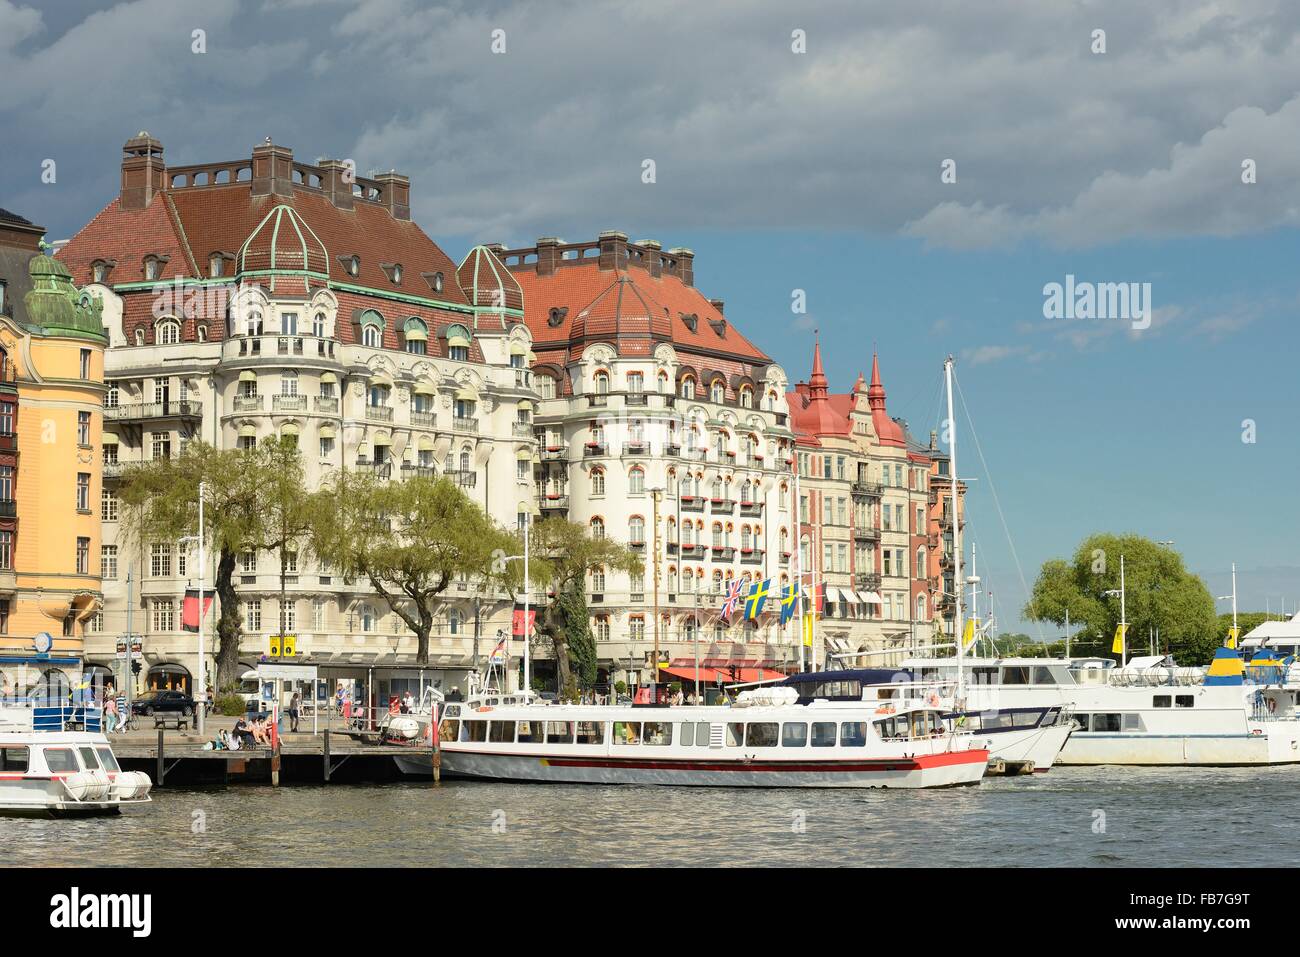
x=201 y=692
x=1123 y=619
x=958 y=633
x=798 y=552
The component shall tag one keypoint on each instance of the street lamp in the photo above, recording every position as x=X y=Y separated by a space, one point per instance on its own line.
x=200 y=687
x=527 y=689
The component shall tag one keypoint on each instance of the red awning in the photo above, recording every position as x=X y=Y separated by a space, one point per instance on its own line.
x=730 y=676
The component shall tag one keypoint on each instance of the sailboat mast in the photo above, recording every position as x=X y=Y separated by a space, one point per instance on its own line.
x=956 y=536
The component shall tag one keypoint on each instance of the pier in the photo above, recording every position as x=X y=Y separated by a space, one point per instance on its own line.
x=330 y=756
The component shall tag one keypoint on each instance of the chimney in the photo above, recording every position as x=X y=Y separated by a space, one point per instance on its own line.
x=334 y=181
x=718 y=305
x=395 y=194
x=654 y=262
x=272 y=170
x=613 y=250
x=685 y=264
x=144 y=174
x=934 y=440
x=548 y=255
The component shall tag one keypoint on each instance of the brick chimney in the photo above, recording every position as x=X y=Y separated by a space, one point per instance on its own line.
x=685 y=264
x=653 y=261
x=548 y=255
x=395 y=194
x=334 y=183
x=272 y=170
x=144 y=174
x=613 y=250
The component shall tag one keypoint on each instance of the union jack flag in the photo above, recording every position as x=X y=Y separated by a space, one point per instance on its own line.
x=735 y=595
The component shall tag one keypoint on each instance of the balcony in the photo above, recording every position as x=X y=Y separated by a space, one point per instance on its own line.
x=288 y=403
x=722 y=506
x=671 y=548
x=382 y=470
x=865 y=489
x=424 y=420
x=636 y=447
x=523 y=430
x=379 y=413
x=328 y=404
x=692 y=503
x=598 y=401
x=463 y=423
x=113 y=470
x=692 y=551
x=751 y=509
x=462 y=477
x=723 y=553
x=245 y=403
x=288 y=345
x=753 y=556
x=865 y=533
x=8 y=508
x=553 y=502
x=636 y=398
x=418 y=471
x=153 y=410
x=593 y=449
x=672 y=450
x=637 y=547
x=523 y=378
x=868 y=581
x=8 y=441
x=553 y=453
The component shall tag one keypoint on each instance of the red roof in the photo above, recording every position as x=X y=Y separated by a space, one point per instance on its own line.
x=815 y=411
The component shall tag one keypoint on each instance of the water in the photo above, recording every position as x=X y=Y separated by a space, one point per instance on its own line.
x=1153 y=817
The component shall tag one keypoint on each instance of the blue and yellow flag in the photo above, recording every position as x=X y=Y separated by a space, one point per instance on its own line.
x=789 y=602
x=756 y=597
x=808 y=630
x=1117 y=646
x=968 y=633
x=1232 y=638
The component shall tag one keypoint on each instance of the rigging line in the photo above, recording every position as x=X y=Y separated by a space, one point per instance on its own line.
x=997 y=503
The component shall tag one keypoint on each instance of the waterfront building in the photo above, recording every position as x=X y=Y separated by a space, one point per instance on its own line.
x=865 y=516
x=51 y=395
x=663 y=426
x=263 y=297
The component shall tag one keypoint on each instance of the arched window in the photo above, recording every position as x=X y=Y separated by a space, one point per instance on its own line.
x=672 y=529
x=688 y=387
x=597 y=481
x=717 y=580
x=318 y=325
x=254 y=325
x=201 y=331
x=636 y=529
x=688 y=581
x=546 y=387
x=684 y=486
x=717 y=392
x=598 y=580
x=716 y=494
x=370 y=336
x=782 y=498
x=745 y=541
x=663 y=381
x=717 y=534
x=367 y=618
x=746 y=397
x=688 y=534
x=920 y=562
x=455 y=621
x=601 y=380
x=139 y=336
x=416 y=334
x=920 y=608
x=636 y=481
x=784 y=540
x=672 y=579
x=598 y=528
x=168 y=332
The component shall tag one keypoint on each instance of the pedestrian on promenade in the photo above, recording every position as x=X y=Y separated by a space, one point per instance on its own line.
x=294 y=702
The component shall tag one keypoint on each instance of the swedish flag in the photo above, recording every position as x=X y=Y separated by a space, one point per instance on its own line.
x=789 y=602
x=756 y=597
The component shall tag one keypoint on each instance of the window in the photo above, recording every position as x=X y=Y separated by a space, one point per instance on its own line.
x=546 y=387
x=289 y=323
x=823 y=734
x=161 y=445
x=168 y=333
x=794 y=734
x=83 y=491
x=6 y=554
x=318 y=325
x=83 y=428
x=108 y=505
x=108 y=561
x=761 y=735
x=458 y=353
x=326 y=446
x=318 y=615
x=717 y=392
x=152 y=269
x=85 y=364
x=289 y=617
x=160 y=560
x=597 y=481
x=163 y=615
x=636 y=529
x=602 y=628
x=853 y=734
x=636 y=481
x=13 y=759
x=370 y=336
x=598 y=528
x=83 y=556
x=215 y=265
x=253 y=615
x=1185 y=701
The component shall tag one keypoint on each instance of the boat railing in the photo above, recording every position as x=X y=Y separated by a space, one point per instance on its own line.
x=54 y=714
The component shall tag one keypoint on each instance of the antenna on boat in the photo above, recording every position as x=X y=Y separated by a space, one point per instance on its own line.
x=957 y=634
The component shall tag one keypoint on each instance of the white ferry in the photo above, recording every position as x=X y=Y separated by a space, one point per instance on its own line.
x=64 y=774
x=764 y=740
x=1025 y=739
x=1148 y=713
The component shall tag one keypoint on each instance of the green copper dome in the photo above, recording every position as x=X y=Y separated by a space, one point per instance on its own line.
x=55 y=307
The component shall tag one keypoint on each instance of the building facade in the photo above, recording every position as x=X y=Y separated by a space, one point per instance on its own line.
x=268 y=297
x=51 y=396
x=662 y=426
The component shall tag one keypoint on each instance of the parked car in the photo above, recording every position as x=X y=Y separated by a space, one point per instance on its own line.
x=162 y=701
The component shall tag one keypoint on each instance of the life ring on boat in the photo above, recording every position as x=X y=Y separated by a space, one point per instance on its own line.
x=885 y=709
x=483 y=708
x=932 y=700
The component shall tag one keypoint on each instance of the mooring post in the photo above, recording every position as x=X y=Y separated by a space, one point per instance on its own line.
x=433 y=739
x=275 y=763
x=161 y=765
x=326 y=766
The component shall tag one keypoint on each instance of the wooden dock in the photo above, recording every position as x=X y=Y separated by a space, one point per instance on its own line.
x=181 y=757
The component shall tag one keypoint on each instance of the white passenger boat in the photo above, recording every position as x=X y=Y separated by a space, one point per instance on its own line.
x=49 y=770
x=765 y=739
x=1148 y=713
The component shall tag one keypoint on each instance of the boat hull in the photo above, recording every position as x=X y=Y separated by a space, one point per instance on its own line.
x=1038 y=747
x=951 y=769
x=1279 y=744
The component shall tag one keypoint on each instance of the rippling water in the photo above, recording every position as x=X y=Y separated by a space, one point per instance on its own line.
x=1153 y=817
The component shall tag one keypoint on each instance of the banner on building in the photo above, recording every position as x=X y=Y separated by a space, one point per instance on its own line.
x=190 y=608
x=520 y=626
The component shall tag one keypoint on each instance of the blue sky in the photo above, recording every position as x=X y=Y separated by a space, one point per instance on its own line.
x=816 y=169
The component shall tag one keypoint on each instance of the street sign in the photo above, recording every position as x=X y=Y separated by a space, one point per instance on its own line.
x=288 y=672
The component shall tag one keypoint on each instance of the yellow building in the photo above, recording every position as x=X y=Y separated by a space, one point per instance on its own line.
x=51 y=401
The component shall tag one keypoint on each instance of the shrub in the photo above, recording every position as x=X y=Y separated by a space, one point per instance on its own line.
x=229 y=704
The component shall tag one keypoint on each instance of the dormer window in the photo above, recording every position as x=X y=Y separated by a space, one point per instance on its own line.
x=370 y=336
x=152 y=268
x=717 y=393
x=354 y=266
x=416 y=334
x=557 y=315
x=397 y=274
x=437 y=282
x=168 y=332
x=100 y=269
x=215 y=265
x=393 y=271
x=458 y=340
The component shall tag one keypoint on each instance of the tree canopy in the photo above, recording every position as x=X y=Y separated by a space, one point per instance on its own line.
x=1161 y=595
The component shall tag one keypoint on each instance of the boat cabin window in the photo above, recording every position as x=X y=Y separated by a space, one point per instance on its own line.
x=794 y=734
x=529 y=732
x=474 y=731
x=1105 y=722
x=686 y=734
x=627 y=732
x=559 y=732
x=501 y=732
x=887 y=728
x=1132 y=722
x=657 y=732
x=1160 y=701
x=823 y=734
x=984 y=675
x=452 y=711
x=591 y=732
x=853 y=734
x=831 y=690
x=88 y=758
x=1043 y=675
x=703 y=734
x=1015 y=675
x=762 y=734
x=1185 y=701
x=936 y=724
x=449 y=730
x=13 y=758
x=735 y=734
x=60 y=760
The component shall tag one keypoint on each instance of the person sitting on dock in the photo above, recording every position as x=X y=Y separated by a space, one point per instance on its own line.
x=243 y=735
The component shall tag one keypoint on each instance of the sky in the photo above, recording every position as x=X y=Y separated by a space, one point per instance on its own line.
x=922 y=171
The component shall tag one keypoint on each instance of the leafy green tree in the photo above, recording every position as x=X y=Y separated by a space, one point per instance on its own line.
x=160 y=504
x=1161 y=595
x=288 y=509
x=568 y=554
x=410 y=540
x=581 y=644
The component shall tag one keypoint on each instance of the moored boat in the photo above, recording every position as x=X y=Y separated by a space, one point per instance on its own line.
x=65 y=773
